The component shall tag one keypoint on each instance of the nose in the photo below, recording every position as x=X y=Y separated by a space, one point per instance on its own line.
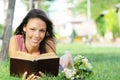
x=37 y=34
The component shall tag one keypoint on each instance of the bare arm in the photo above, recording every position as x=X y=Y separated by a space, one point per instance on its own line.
x=12 y=46
x=13 y=49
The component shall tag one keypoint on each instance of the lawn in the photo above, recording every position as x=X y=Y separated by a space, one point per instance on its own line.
x=105 y=61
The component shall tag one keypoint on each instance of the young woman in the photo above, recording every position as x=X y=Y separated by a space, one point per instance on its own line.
x=35 y=36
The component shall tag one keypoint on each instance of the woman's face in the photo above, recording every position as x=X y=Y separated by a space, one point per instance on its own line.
x=35 y=31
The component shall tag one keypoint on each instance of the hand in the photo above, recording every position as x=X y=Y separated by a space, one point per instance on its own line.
x=42 y=74
x=31 y=77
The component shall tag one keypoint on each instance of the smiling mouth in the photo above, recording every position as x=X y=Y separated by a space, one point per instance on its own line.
x=35 y=41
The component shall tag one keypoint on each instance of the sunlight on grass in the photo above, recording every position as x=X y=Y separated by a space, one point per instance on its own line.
x=105 y=61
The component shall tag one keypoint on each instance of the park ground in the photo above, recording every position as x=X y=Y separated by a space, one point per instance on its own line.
x=104 y=59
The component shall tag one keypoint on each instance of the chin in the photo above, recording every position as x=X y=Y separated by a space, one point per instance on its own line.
x=35 y=45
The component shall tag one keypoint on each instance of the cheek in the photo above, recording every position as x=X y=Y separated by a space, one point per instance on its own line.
x=42 y=35
x=29 y=33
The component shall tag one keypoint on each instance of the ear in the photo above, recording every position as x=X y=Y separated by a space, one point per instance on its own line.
x=24 y=29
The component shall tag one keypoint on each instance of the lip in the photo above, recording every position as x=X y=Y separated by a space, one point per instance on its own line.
x=35 y=41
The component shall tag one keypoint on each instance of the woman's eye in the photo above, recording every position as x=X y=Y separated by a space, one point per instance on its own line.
x=32 y=29
x=42 y=30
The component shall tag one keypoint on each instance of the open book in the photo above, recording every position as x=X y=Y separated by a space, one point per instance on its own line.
x=46 y=63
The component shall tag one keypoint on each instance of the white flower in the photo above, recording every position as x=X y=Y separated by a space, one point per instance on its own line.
x=81 y=63
x=85 y=60
x=88 y=65
x=79 y=57
x=69 y=73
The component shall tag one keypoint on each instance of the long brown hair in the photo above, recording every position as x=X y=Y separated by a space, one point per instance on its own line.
x=36 y=13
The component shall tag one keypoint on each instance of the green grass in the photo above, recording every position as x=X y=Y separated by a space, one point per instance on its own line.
x=105 y=61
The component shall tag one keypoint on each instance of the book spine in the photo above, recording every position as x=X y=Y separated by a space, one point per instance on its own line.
x=35 y=67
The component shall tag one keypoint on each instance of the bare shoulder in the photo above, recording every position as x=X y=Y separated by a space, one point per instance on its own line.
x=12 y=38
x=50 y=45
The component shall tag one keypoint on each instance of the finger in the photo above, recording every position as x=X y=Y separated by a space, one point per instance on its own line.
x=42 y=74
x=33 y=78
x=24 y=76
x=38 y=78
x=30 y=77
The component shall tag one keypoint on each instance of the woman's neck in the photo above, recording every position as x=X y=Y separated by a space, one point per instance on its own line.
x=31 y=50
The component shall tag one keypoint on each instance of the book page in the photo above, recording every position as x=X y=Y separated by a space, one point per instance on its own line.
x=22 y=55
x=46 y=56
x=26 y=56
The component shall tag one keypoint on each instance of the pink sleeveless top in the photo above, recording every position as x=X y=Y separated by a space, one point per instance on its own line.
x=20 y=43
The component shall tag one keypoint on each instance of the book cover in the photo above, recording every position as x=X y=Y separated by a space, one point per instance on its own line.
x=45 y=63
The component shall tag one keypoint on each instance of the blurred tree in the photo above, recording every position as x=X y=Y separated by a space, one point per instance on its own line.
x=40 y=4
x=97 y=6
x=108 y=22
x=112 y=23
x=79 y=6
x=45 y=4
x=1 y=31
x=7 y=30
x=101 y=28
x=31 y=4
